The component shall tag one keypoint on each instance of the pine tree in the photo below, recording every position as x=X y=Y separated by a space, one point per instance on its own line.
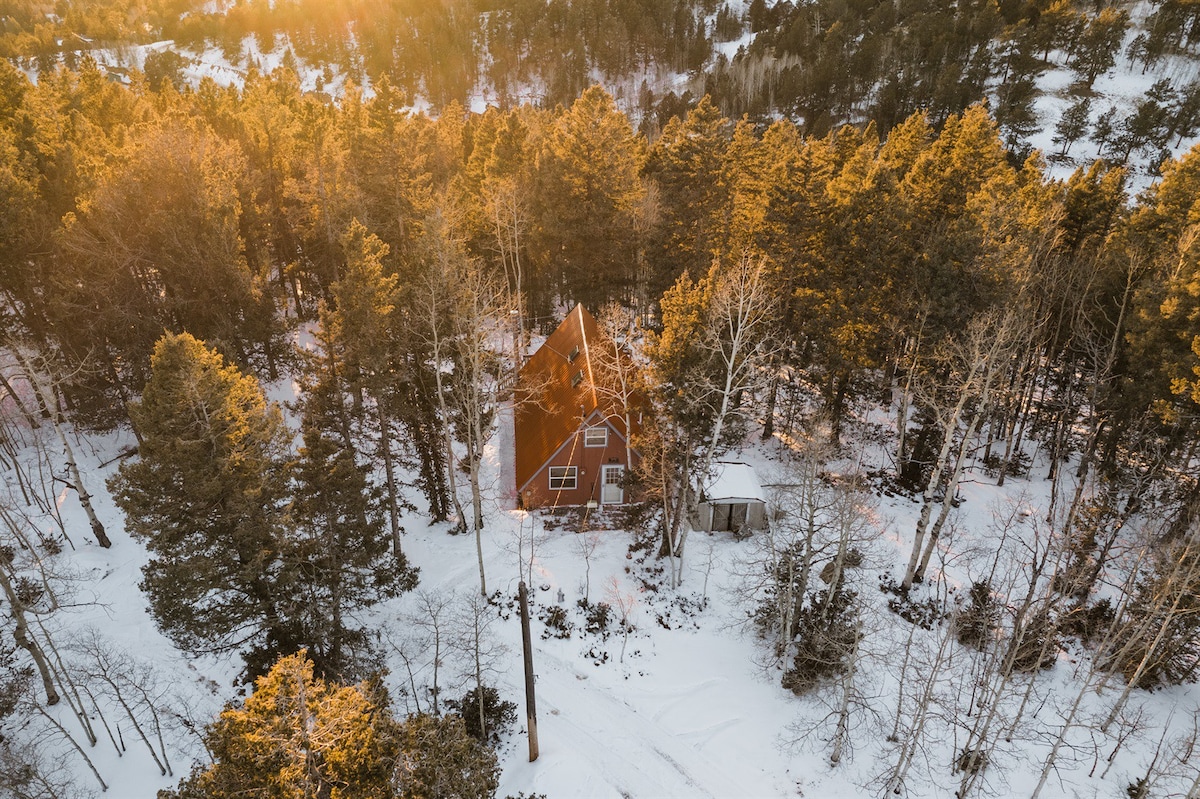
x=1099 y=44
x=360 y=332
x=157 y=245
x=298 y=736
x=340 y=546
x=1073 y=124
x=439 y=758
x=589 y=196
x=687 y=163
x=207 y=497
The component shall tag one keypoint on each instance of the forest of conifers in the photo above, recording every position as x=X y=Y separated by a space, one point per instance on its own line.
x=823 y=63
x=225 y=213
x=160 y=241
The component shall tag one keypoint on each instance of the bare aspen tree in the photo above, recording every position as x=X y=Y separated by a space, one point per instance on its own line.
x=665 y=468
x=40 y=376
x=1094 y=676
x=623 y=602
x=133 y=687
x=524 y=544
x=976 y=364
x=1163 y=624
x=29 y=769
x=476 y=644
x=820 y=525
x=741 y=313
x=58 y=729
x=705 y=365
x=1023 y=553
x=21 y=634
x=842 y=731
x=431 y=639
x=615 y=374
x=912 y=737
x=1131 y=724
x=586 y=541
x=508 y=212
x=782 y=556
x=466 y=311
x=439 y=339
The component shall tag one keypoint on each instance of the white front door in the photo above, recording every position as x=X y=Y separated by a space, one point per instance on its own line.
x=611 y=491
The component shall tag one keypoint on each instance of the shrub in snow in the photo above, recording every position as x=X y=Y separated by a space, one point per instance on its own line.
x=1159 y=639
x=439 y=758
x=598 y=616
x=972 y=760
x=977 y=621
x=826 y=631
x=498 y=714
x=1086 y=622
x=556 y=621
x=1034 y=646
x=924 y=613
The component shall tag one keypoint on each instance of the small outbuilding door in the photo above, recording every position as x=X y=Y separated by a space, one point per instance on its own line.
x=611 y=490
x=730 y=517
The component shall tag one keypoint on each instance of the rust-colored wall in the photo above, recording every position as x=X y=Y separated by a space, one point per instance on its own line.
x=589 y=460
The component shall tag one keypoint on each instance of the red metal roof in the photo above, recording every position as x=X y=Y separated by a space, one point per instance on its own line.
x=556 y=393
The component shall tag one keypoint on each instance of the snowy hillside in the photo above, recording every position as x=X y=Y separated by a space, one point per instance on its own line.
x=692 y=708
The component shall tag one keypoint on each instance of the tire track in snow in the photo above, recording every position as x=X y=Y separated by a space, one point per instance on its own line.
x=616 y=738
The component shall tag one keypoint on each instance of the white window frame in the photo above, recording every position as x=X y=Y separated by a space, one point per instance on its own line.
x=589 y=432
x=567 y=479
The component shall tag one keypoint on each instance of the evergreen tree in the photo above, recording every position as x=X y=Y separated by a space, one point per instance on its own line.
x=298 y=736
x=439 y=758
x=589 y=197
x=1165 y=336
x=363 y=332
x=339 y=544
x=1160 y=635
x=1098 y=45
x=157 y=245
x=1073 y=124
x=207 y=497
x=688 y=165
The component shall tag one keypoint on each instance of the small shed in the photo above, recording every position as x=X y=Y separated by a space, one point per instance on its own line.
x=733 y=500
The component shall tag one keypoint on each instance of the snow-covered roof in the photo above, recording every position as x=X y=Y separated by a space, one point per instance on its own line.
x=733 y=481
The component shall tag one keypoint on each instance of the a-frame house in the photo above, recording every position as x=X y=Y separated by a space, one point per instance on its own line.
x=569 y=429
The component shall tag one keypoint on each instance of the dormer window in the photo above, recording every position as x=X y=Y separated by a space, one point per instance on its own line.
x=577 y=378
x=574 y=354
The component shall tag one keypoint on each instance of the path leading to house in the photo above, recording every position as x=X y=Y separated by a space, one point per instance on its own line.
x=507 y=488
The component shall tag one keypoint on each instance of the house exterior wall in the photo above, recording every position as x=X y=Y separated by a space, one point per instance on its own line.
x=588 y=461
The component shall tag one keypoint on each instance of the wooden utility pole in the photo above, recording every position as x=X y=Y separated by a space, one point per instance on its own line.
x=527 y=646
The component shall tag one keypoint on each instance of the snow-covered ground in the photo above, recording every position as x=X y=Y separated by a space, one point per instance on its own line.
x=691 y=710
x=1123 y=86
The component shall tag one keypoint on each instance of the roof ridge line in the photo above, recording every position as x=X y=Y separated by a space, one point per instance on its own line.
x=587 y=358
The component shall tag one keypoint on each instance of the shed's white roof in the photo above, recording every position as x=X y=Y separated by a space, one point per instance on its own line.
x=733 y=481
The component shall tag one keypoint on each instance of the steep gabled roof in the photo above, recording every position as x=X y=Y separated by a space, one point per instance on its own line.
x=556 y=392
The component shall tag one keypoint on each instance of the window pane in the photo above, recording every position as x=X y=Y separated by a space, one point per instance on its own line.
x=562 y=478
